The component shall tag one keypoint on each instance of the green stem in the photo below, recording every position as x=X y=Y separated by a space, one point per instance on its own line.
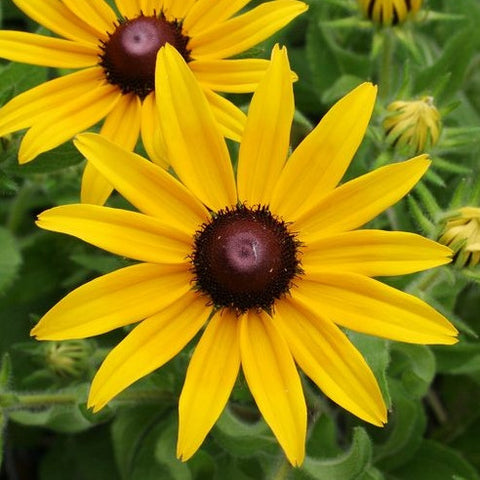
x=386 y=64
x=283 y=471
x=19 y=402
x=19 y=206
x=437 y=407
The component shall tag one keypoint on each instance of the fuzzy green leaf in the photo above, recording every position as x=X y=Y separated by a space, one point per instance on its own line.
x=10 y=259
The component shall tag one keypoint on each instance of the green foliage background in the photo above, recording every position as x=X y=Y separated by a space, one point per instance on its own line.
x=433 y=393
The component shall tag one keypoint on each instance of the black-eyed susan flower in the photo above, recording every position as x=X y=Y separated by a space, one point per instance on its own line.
x=415 y=123
x=269 y=262
x=462 y=234
x=389 y=12
x=115 y=58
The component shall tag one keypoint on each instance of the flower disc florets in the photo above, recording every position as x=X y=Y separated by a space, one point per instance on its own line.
x=130 y=53
x=245 y=258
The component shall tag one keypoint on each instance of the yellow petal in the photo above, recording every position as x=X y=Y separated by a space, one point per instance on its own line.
x=122 y=232
x=150 y=7
x=147 y=347
x=67 y=120
x=211 y=375
x=97 y=14
x=152 y=137
x=319 y=162
x=114 y=300
x=204 y=14
x=266 y=139
x=128 y=8
x=177 y=9
x=230 y=119
x=374 y=253
x=148 y=187
x=244 y=31
x=327 y=356
x=46 y=51
x=274 y=382
x=43 y=100
x=55 y=16
x=232 y=76
x=121 y=126
x=196 y=148
x=368 y=306
x=358 y=201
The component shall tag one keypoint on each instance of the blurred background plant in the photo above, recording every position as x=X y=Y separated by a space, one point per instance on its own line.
x=425 y=59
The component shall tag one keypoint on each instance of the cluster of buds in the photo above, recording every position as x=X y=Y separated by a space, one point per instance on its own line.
x=68 y=359
x=389 y=12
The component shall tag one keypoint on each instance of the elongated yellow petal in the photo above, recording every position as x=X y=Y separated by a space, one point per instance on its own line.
x=123 y=232
x=326 y=355
x=230 y=119
x=97 y=14
x=358 y=201
x=114 y=300
x=33 y=105
x=128 y=8
x=177 y=9
x=148 y=187
x=232 y=76
x=67 y=120
x=266 y=139
x=152 y=137
x=204 y=14
x=243 y=32
x=46 y=51
x=195 y=146
x=368 y=306
x=210 y=378
x=274 y=382
x=122 y=127
x=319 y=162
x=149 y=346
x=150 y=7
x=55 y=16
x=374 y=253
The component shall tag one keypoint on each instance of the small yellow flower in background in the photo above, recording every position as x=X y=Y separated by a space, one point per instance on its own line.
x=389 y=12
x=269 y=262
x=415 y=123
x=115 y=56
x=462 y=235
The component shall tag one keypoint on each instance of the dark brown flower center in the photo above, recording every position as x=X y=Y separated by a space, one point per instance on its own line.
x=245 y=258
x=130 y=53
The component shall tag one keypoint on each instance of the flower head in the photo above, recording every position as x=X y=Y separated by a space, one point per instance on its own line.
x=462 y=235
x=415 y=123
x=269 y=262
x=115 y=56
x=389 y=12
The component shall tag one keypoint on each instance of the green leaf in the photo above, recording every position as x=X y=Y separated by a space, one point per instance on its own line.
x=243 y=439
x=348 y=466
x=376 y=352
x=15 y=78
x=403 y=433
x=165 y=454
x=415 y=365
x=130 y=430
x=435 y=461
x=10 y=259
x=462 y=358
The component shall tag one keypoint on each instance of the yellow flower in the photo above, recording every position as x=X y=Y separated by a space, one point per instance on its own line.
x=415 y=123
x=268 y=262
x=115 y=58
x=462 y=235
x=389 y=12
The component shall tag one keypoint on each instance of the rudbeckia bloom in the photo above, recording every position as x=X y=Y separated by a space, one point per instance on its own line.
x=389 y=12
x=115 y=58
x=268 y=262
